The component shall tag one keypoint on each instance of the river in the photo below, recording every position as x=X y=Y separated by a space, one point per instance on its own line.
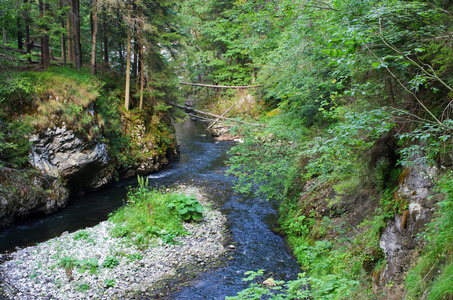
x=201 y=163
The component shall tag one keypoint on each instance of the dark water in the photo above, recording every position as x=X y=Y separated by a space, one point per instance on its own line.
x=201 y=163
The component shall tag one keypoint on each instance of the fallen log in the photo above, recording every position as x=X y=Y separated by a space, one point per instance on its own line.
x=222 y=86
x=199 y=117
x=222 y=115
x=215 y=116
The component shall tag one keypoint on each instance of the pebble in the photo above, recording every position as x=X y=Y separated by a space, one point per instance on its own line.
x=128 y=277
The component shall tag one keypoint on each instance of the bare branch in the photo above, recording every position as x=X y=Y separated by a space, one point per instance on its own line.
x=399 y=81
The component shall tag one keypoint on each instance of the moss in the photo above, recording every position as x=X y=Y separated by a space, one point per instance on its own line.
x=150 y=138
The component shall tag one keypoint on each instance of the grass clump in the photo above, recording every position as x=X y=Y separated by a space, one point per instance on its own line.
x=81 y=235
x=110 y=262
x=65 y=85
x=148 y=216
x=51 y=98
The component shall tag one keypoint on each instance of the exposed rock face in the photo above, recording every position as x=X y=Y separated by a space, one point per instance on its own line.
x=399 y=241
x=23 y=193
x=60 y=153
x=74 y=165
x=69 y=163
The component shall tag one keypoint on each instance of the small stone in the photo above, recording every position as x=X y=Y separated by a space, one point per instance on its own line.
x=269 y=282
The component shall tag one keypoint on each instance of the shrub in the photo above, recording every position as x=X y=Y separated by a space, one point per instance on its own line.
x=327 y=287
x=110 y=262
x=81 y=235
x=110 y=282
x=187 y=207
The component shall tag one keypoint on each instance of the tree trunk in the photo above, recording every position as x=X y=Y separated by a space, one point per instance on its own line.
x=28 y=44
x=222 y=86
x=120 y=52
x=128 y=59
x=68 y=33
x=106 y=45
x=20 y=44
x=139 y=54
x=136 y=48
x=214 y=115
x=45 y=51
x=76 y=34
x=62 y=36
x=142 y=77
x=136 y=53
x=5 y=36
x=94 y=31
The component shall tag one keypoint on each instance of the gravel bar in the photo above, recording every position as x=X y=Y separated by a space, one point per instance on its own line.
x=112 y=268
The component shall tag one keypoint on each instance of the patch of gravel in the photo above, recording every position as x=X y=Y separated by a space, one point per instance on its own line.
x=37 y=271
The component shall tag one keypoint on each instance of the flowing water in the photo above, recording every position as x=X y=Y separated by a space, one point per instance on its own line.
x=201 y=163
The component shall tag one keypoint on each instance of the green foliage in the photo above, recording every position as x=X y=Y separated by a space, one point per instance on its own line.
x=67 y=262
x=15 y=89
x=81 y=235
x=78 y=88
x=107 y=106
x=309 y=256
x=329 y=287
x=433 y=273
x=88 y=264
x=82 y=287
x=45 y=99
x=147 y=217
x=187 y=207
x=297 y=226
x=430 y=143
x=110 y=283
x=135 y=256
x=110 y=262
x=358 y=89
x=340 y=153
x=83 y=265
x=14 y=145
x=266 y=158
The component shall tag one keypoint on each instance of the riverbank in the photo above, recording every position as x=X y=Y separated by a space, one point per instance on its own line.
x=68 y=134
x=91 y=264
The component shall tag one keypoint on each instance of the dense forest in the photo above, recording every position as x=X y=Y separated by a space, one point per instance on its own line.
x=355 y=99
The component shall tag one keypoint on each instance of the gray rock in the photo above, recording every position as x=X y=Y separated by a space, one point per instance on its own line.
x=62 y=154
x=398 y=240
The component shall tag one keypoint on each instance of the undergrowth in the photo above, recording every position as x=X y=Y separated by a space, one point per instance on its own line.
x=321 y=176
x=148 y=215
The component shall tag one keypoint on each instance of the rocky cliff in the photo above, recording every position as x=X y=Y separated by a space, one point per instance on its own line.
x=69 y=163
x=399 y=240
x=62 y=154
